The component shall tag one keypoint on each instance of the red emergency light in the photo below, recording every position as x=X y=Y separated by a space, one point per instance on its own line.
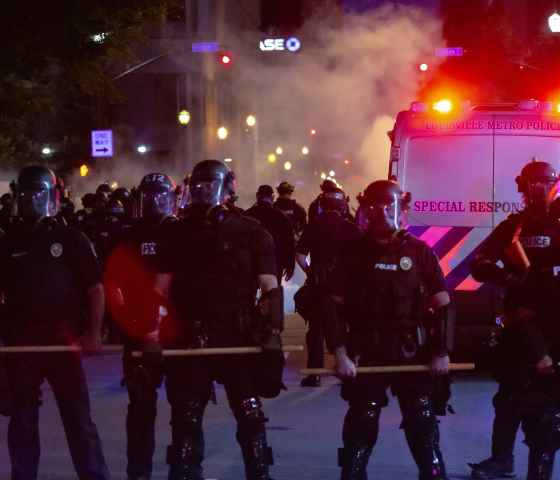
x=443 y=106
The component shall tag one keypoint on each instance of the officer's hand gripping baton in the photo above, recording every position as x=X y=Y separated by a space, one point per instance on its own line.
x=388 y=369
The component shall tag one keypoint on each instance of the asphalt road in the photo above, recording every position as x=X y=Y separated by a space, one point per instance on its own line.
x=304 y=429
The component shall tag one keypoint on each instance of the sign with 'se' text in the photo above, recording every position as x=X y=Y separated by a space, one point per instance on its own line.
x=102 y=143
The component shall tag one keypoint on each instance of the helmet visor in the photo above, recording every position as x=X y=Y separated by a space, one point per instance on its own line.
x=208 y=192
x=540 y=194
x=34 y=202
x=157 y=203
x=381 y=216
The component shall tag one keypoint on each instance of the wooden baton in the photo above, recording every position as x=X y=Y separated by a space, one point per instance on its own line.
x=199 y=352
x=194 y=352
x=388 y=369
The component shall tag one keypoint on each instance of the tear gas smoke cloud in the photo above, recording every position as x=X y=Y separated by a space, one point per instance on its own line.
x=353 y=74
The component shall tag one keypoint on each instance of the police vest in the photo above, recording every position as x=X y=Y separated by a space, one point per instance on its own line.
x=393 y=294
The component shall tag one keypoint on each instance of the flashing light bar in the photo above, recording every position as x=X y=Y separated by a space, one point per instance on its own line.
x=443 y=106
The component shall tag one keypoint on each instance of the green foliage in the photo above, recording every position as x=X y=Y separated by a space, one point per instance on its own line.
x=53 y=76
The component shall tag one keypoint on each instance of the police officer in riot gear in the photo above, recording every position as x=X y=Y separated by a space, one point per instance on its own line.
x=279 y=226
x=129 y=280
x=534 y=230
x=212 y=263
x=48 y=273
x=323 y=241
x=293 y=210
x=396 y=309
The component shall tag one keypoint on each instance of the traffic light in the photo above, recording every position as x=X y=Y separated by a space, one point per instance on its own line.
x=225 y=59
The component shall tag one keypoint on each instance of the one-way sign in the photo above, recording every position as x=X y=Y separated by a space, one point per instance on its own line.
x=102 y=143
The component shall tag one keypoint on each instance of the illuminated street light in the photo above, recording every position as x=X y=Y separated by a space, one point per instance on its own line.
x=228 y=160
x=271 y=158
x=184 y=117
x=279 y=150
x=251 y=120
x=305 y=151
x=323 y=176
x=84 y=170
x=313 y=131
x=222 y=133
x=554 y=22
x=287 y=165
x=114 y=185
x=332 y=173
x=142 y=149
x=46 y=150
x=423 y=67
x=346 y=162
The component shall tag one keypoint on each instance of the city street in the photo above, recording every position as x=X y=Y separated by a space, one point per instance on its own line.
x=304 y=429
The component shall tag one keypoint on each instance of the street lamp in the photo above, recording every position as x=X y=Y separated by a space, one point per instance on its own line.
x=554 y=22
x=184 y=117
x=305 y=150
x=222 y=133
x=271 y=158
x=279 y=150
x=323 y=176
x=142 y=149
x=46 y=150
x=332 y=173
x=423 y=67
x=313 y=131
x=287 y=165
x=251 y=120
x=228 y=160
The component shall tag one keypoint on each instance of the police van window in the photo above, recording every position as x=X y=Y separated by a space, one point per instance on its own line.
x=450 y=177
x=511 y=153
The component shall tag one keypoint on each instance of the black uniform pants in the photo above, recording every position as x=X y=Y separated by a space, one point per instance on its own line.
x=315 y=342
x=506 y=423
x=65 y=374
x=366 y=395
x=189 y=388
x=142 y=382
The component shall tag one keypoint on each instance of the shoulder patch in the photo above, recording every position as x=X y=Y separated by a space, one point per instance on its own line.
x=56 y=250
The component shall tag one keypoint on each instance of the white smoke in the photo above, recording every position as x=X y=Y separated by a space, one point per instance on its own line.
x=353 y=74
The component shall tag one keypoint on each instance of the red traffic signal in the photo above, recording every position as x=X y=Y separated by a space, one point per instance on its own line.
x=225 y=58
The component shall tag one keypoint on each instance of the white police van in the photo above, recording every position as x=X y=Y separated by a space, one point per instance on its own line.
x=460 y=162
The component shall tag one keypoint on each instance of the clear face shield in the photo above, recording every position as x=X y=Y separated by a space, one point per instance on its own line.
x=157 y=203
x=381 y=217
x=207 y=191
x=540 y=194
x=36 y=202
x=335 y=201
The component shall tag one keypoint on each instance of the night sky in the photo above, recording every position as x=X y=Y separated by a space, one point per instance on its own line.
x=363 y=5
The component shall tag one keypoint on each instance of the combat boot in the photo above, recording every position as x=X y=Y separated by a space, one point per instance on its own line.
x=493 y=467
x=540 y=465
x=257 y=456
x=354 y=461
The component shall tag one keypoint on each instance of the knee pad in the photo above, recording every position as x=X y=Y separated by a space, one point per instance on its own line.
x=361 y=424
x=418 y=414
x=187 y=417
x=250 y=418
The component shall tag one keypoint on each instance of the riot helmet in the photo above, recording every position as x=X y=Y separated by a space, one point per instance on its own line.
x=156 y=196
x=104 y=188
x=88 y=200
x=100 y=201
x=265 y=193
x=122 y=194
x=381 y=208
x=285 y=188
x=538 y=182
x=333 y=200
x=115 y=208
x=37 y=193
x=211 y=184
x=328 y=185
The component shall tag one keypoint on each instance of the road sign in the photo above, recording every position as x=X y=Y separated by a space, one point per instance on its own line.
x=450 y=52
x=102 y=143
x=200 y=47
